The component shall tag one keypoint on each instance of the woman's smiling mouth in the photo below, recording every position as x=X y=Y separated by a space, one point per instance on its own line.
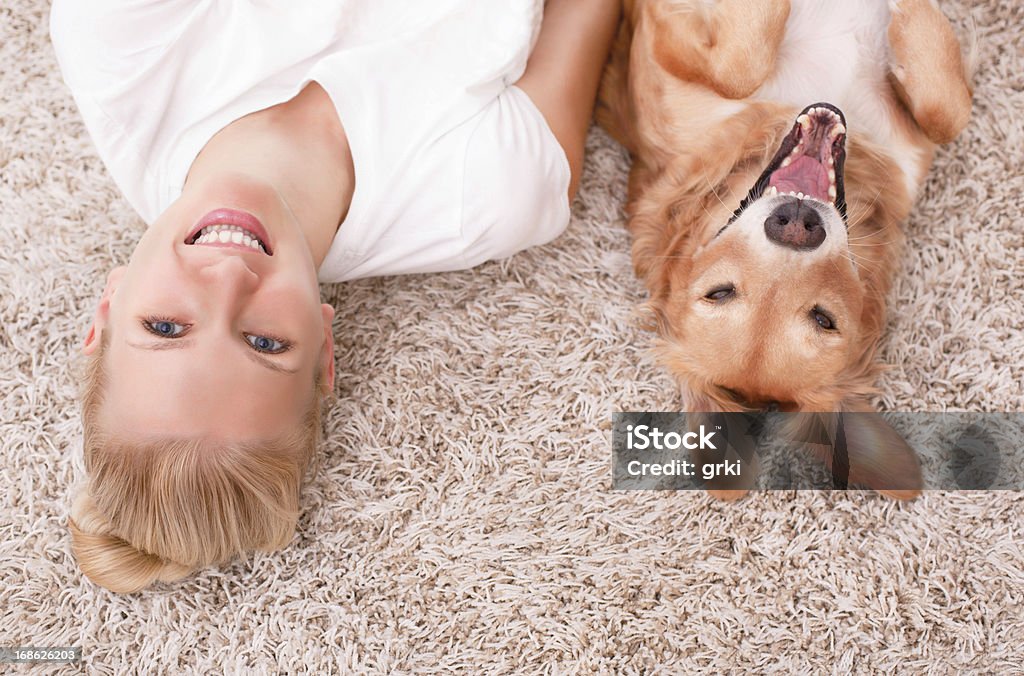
x=231 y=229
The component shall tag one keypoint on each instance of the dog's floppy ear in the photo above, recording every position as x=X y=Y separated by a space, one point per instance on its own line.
x=879 y=456
x=860 y=448
x=705 y=405
x=697 y=394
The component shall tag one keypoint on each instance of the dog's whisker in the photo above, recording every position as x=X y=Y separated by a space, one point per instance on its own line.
x=866 y=210
x=861 y=261
x=851 y=252
x=860 y=237
x=853 y=259
x=886 y=243
x=704 y=171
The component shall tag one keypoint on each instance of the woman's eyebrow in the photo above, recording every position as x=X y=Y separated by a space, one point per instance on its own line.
x=188 y=342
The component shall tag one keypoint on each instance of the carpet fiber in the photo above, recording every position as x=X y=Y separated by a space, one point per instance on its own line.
x=463 y=517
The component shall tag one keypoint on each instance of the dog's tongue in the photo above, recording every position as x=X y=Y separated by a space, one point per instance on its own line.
x=802 y=175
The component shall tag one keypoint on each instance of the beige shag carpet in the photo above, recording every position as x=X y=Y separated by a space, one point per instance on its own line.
x=463 y=519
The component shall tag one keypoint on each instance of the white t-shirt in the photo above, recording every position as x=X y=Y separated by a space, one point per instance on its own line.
x=454 y=166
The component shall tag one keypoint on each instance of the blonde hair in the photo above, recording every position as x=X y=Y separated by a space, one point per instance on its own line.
x=159 y=510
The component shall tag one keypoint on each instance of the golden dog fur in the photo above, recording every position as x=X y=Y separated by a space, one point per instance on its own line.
x=690 y=92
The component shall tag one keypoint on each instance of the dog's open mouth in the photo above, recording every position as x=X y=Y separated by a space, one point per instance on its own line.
x=809 y=162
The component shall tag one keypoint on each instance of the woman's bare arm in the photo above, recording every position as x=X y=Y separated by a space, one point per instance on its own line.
x=564 y=70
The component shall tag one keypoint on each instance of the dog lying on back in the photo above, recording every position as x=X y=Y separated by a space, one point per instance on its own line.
x=777 y=147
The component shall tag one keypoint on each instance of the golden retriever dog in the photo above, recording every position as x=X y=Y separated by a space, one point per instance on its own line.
x=777 y=147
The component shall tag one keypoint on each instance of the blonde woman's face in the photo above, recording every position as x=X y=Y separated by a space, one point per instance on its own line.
x=209 y=335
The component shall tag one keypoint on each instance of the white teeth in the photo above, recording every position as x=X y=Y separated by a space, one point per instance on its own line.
x=837 y=130
x=800 y=195
x=832 y=175
x=786 y=161
x=821 y=111
x=832 y=191
x=772 y=191
x=223 y=233
x=804 y=120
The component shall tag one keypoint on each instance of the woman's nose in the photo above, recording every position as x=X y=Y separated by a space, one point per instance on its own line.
x=230 y=275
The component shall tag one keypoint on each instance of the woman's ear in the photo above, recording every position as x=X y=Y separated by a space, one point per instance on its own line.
x=327 y=352
x=102 y=312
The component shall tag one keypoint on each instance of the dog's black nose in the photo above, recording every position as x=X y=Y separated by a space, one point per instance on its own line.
x=796 y=225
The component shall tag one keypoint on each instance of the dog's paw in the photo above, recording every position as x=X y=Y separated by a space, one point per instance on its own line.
x=719 y=51
x=927 y=70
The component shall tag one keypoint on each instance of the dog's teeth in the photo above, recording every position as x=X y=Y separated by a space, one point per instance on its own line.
x=837 y=130
x=832 y=191
x=771 y=191
x=832 y=176
x=786 y=161
x=804 y=120
x=799 y=195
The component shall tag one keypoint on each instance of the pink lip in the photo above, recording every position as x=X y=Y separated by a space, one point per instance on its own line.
x=233 y=217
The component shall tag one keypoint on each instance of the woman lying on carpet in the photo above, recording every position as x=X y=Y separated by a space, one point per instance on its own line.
x=244 y=134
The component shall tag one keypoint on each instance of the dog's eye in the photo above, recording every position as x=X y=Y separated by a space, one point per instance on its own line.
x=823 y=319
x=720 y=292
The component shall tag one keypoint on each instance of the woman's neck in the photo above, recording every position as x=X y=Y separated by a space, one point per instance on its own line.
x=299 y=147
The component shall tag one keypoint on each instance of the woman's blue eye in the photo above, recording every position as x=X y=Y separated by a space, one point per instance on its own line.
x=164 y=327
x=266 y=344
